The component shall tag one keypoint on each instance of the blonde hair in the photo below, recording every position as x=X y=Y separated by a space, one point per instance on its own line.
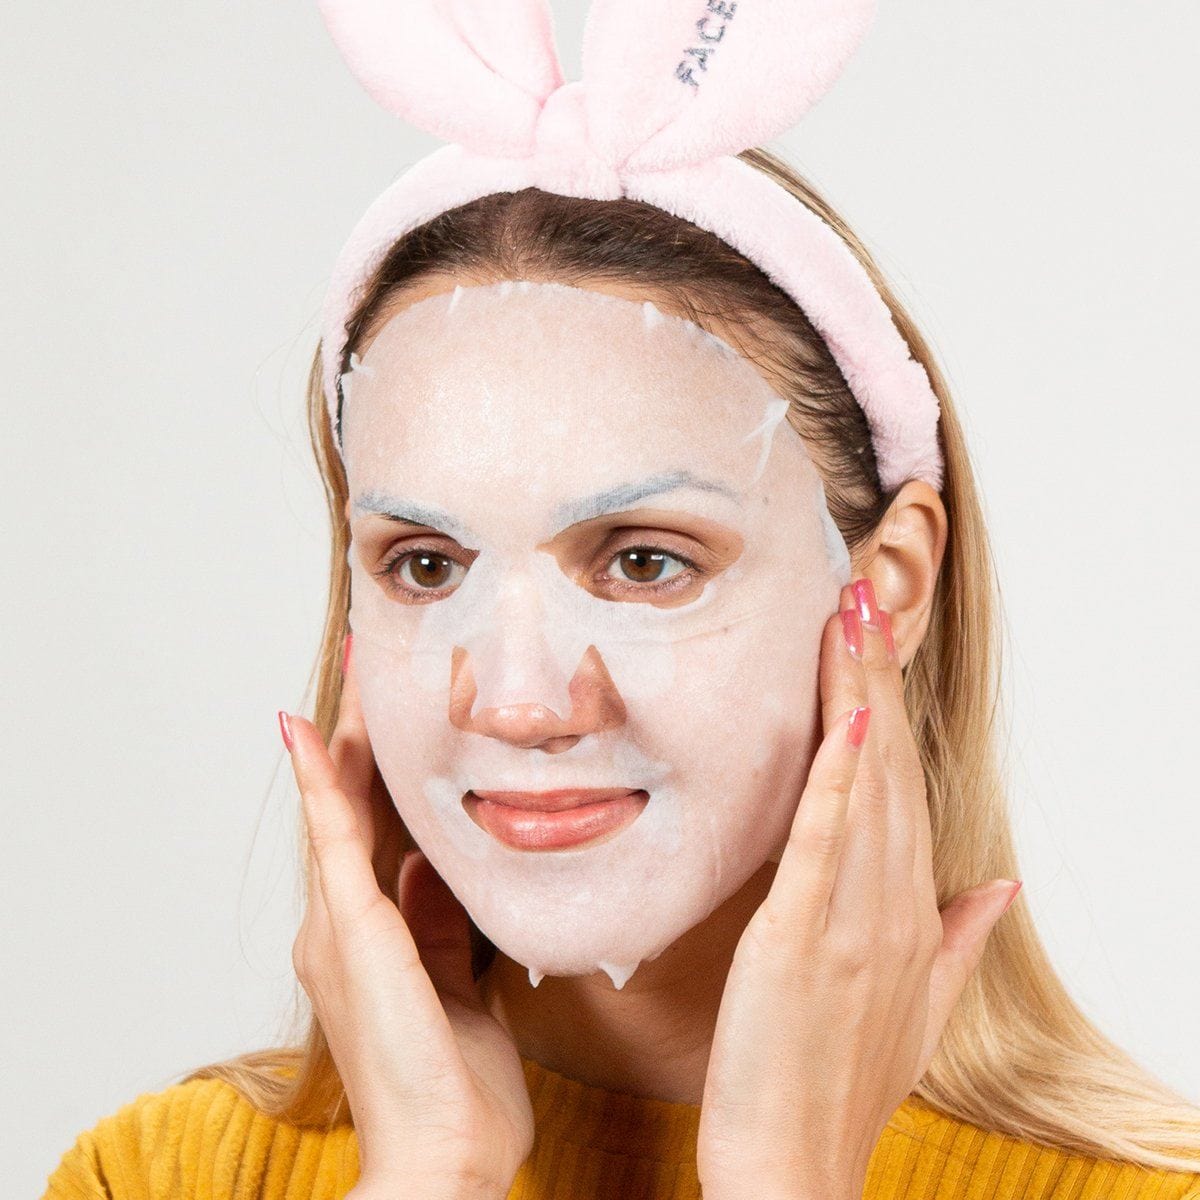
x=1018 y=1055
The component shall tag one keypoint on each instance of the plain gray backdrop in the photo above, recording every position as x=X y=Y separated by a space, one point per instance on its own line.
x=178 y=181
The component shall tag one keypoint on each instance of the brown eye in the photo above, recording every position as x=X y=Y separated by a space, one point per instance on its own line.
x=644 y=564
x=427 y=571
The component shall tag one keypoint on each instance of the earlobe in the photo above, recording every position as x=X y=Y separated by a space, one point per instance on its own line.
x=903 y=560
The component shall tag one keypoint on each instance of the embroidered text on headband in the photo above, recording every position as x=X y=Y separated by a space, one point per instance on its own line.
x=671 y=91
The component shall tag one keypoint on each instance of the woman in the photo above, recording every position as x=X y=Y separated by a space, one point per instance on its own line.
x=858 y=1016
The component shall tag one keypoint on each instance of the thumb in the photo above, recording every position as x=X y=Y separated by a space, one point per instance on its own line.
x=439 y=926
x=967 y=922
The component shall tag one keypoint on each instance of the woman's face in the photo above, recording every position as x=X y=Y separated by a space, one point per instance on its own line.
x=589 y=555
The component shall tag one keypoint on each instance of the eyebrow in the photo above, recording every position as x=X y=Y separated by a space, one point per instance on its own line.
x=625 y=495
x=396 y=508
x=613 y=499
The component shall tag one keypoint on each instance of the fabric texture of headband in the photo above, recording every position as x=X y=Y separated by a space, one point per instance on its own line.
x=671 y=91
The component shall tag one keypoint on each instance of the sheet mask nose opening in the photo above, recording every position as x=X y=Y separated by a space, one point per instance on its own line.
x=510 y=656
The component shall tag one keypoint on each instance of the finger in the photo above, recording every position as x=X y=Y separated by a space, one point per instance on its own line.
x=343 y=866
x=314 y=909
x=847 y=666
x=860 y=893
x=356 y=913
x=862 y=645
x=350 y=750
x=439 y=926
x=923 y=881
x=843 y=682
x=878 y=861
x=808 y=867
x=843 y=678
x=967 y=922
x=315 y=922
x=878 y=649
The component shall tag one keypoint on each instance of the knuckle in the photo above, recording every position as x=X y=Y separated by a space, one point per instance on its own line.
x=905 y=767
x=854 y=952
x=302 y=959
x=930 y=940
x=364 y=927
x=902 y=940
x=875 y=658
x=763 y=936
x=901 y=752
x=822 y=842
x=769 y=922
x=871 y=791
x=774 y=948
x=327 y=833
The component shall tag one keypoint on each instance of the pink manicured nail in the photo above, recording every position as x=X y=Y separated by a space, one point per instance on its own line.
x=885 y=623
x=1011 y=898
x=864 y=597
x=852 y=628
x=346 y=652
x=285 y=727
x=856 y=733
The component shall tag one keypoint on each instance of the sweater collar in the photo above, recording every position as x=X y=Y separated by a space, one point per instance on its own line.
x=568 y=1110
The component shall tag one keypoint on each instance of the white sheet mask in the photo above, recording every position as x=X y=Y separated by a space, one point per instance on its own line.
x=537 y=432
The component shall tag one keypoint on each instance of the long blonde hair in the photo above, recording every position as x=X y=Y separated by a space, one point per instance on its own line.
x=1018 y=1055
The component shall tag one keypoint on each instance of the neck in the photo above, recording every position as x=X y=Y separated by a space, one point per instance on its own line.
x=652 y=1038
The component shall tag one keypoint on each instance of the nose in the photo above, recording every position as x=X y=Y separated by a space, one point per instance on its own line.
x=595 y=705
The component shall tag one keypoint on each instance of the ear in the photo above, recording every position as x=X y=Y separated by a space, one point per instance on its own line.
x=903 y=559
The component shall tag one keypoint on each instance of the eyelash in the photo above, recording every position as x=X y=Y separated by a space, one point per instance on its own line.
x=672 y=583
x=691 y=568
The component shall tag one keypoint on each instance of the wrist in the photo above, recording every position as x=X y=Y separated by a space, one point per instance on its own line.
x=789 y=1194
x=411 y=1187
x=405 y=1190
x=762 y=1190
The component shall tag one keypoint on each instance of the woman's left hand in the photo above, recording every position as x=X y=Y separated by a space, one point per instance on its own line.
x=845 y=977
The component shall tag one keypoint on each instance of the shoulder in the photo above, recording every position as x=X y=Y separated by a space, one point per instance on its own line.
x=202 y=1138
x=924 y=1151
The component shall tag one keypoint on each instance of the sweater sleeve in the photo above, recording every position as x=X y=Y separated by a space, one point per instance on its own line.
x=203 y=1139
x=149 y=1147
x=79 y=1175
x=127 y=1153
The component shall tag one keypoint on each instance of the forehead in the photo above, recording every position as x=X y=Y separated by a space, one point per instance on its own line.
x=543 y=397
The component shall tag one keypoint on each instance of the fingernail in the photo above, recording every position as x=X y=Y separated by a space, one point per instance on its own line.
x=857 y=731
x=864 y=597
x=346 y=653
x=1011 y=898
x=285 y=727
x=852 y=628
x=885 y=623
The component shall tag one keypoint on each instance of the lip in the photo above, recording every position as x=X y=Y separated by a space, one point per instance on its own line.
x=556 y=819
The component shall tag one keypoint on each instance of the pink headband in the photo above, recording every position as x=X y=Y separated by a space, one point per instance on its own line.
x=671 y=91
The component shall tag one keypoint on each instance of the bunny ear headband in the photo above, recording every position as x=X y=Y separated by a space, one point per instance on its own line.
x=671 y=91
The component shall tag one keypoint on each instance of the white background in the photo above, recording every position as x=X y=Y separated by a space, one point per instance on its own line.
x=178 y=181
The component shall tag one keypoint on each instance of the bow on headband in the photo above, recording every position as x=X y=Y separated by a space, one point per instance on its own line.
x=671 y=91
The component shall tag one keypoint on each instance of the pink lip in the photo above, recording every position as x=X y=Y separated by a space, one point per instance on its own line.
x=552 y=820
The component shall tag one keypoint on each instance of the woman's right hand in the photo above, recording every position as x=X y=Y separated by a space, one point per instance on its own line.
x=434 y=1082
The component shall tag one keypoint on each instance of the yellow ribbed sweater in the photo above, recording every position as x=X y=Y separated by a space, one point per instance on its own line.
x=203 y=1141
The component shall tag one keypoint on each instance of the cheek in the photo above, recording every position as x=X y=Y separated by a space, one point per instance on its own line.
x=407 y=724
x=743 y=703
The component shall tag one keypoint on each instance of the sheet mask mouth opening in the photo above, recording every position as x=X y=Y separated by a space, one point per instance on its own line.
x=558 y=820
